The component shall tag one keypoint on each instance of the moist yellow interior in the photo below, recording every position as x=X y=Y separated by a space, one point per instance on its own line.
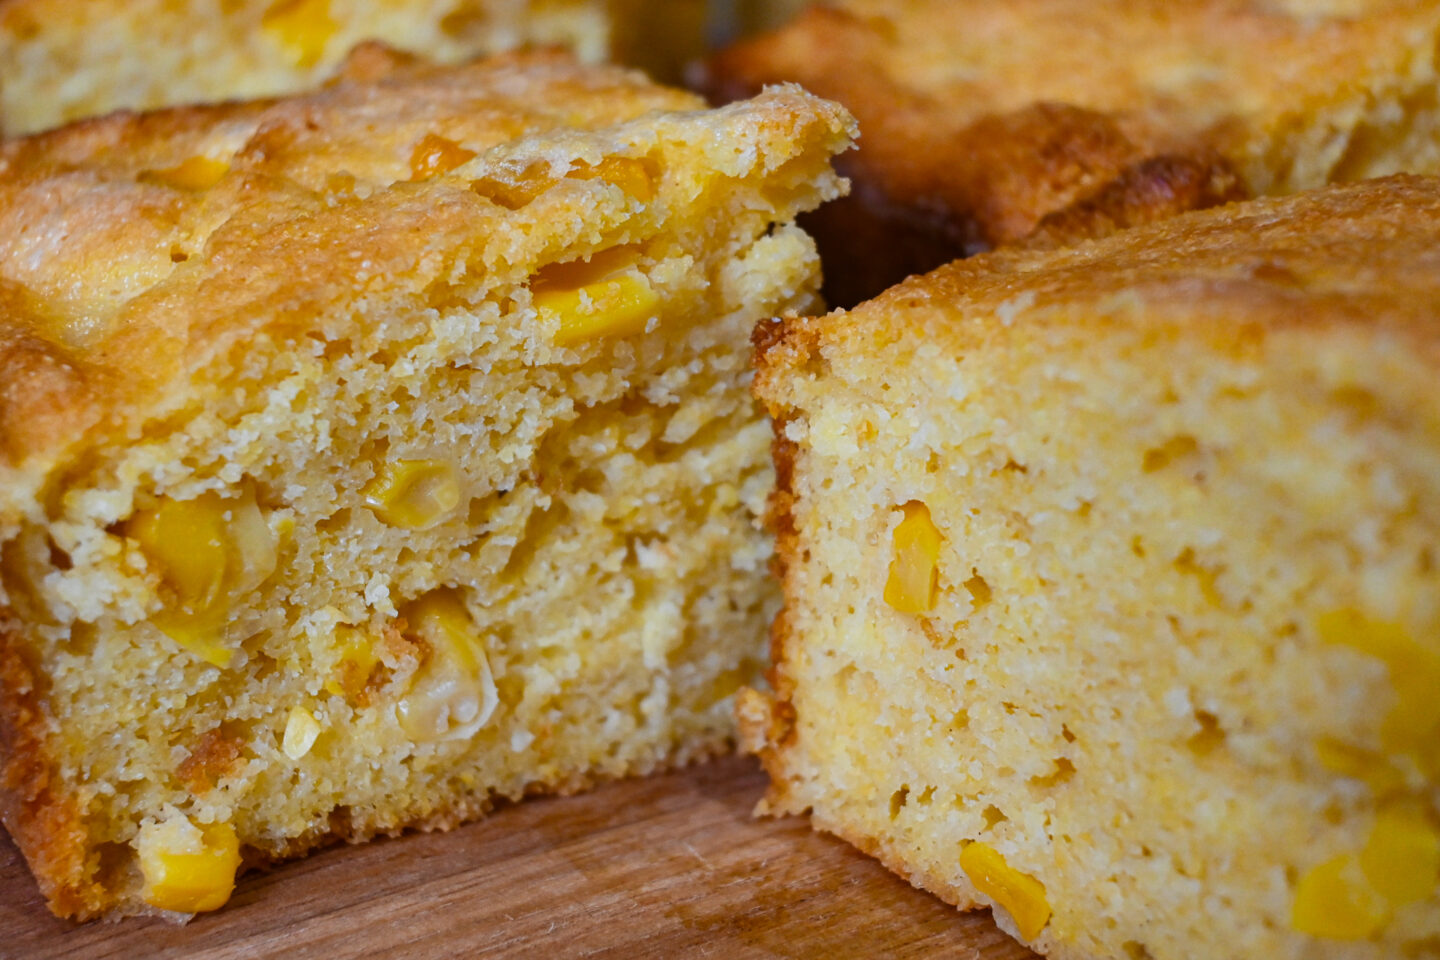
x=1151 y=624
x=498 y=542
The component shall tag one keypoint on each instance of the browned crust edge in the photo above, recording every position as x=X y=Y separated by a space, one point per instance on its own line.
x=41 y=817
x=1060 y=171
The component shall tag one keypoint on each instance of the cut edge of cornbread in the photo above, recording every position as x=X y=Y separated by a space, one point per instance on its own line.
x=1028 y=657
x=394 y=497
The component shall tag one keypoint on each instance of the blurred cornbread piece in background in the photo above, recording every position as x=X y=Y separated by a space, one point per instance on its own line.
x=374 y=454
x=61 y=60
x=984 y=122
x=1111 y=594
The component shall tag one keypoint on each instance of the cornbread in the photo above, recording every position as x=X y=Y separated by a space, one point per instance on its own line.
x=370 y=456
x=984 y=122
x=61 y=60
x=1111 y=595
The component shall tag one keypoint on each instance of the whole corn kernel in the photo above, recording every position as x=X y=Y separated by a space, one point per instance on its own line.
x=435 y=155
x=453 y=694
x=301 y=731
x=192 y=173
x=302 y=27
x=1401 y=858
x=414 y=494
x=602 y=296
x=188 y=869
x=208 y=551
x=1022 y=896
x=913 y=568
x=1334 y=900
x=1412 y=726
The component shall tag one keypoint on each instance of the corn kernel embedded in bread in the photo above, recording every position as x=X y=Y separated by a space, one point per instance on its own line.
x=1022 y=896
x=630 y=174
x=913 y=569
x=208 y=552
x=601 y=296
x=1401 y=858
x=435 y=155
x=187 y=869
x=1358 y=764
x=301 y=731
x=453 y=694
x=1334 y=901
x=192 y=173
x=303 y=28
x=1413 y=724
x=414 y=494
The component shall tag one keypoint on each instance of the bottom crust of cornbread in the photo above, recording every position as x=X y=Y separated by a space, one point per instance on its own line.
x=1169 y=690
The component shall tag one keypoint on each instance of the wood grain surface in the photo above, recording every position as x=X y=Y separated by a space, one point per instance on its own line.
x=670 y=866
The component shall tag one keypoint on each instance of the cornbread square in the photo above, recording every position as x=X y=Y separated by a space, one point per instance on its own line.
x=985 y=122
x=1111 y=594
x=369 y=456
x=61 y=60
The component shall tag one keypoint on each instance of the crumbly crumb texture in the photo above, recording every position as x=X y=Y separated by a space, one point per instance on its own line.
x=1111 y=594
x=372 y=456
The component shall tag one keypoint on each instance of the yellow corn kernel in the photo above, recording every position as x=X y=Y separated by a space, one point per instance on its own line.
x=1022 y=896
x=913 y=569
x=193 y=173
x=1413 y=724
x=602 y=296
x=517 y=191
x=208 y=551
x=1401 y=858
x=435 y=155
x=453 y=694
x=187 y=869
x=1334 y=900
x=303 y=28
x=1359 y=764
x=414 y=494
x=301 y=730
x=357 y=660
x=630 y=174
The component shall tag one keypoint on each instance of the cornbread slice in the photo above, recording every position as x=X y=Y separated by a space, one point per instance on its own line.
x=369 y=456
x=61 y=60
x=984 y=121
x=1111 y=593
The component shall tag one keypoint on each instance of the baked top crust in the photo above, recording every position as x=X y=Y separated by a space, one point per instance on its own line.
x=988 y=123
x=1228 y=74
x=125 y=272
x=63 y=60
x=1364 y=257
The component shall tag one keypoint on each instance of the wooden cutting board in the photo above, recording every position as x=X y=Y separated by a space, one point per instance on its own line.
x=670 y=866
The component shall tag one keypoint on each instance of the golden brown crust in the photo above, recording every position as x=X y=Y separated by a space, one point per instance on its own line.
x=40 y=816
x=155 y=276
x=980 y=120
x=1232 y=268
